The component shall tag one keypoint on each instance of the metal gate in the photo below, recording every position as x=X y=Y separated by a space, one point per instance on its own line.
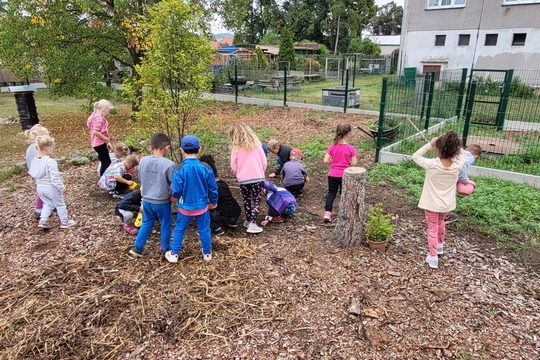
x=487 y=106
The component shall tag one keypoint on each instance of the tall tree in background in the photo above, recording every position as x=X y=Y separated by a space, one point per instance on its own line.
x=174 y=69
x=388 y=20
x=363 y=46
x=286 y=48
x=306 y=19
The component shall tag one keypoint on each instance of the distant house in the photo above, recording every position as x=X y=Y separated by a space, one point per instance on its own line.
x=488 y=34
x=387 y=43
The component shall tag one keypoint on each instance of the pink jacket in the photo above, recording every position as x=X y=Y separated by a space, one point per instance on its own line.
x=100 y=124
x=248 y=166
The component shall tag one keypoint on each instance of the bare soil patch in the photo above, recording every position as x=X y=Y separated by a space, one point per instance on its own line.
x=283 y=294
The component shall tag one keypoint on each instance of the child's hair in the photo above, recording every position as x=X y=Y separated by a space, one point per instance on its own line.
x=132 y=160
x=474 y=149
x=191 y=151
x=159 y=141
x=103 y=105
x=209 y=159
x=35 y=131
x=43 y=142
x=273 y=144
x=448 y=144
x=242 y=137
x=341 y=131
x=121 y=150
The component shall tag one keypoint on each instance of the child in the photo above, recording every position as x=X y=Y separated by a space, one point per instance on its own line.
x=50 y=186
x=31 y=153
x=194 y=185
x=115 y=179
x=118 y=153
x=99 y=132
x=155 y=174
x=465 y=186
x=126 y=210
x=282 y=151
x=439 y=191
x=248 y=163
x=281 y=203
x=340 y=156
x=228 y=211
x=294 y=174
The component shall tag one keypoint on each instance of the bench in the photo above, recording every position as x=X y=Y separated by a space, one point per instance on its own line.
x=267 y=84
x=294 y=85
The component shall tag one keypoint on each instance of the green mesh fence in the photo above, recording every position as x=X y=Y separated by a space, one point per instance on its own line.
x=496 y=109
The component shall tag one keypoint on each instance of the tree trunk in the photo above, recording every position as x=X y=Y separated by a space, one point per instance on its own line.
x=337 y=35
x=350 y=221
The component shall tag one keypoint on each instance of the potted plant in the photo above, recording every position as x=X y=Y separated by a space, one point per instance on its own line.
x=378 y=228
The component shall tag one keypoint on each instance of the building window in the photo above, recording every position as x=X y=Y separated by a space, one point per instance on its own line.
x=519 y=39
x=464 y=39
x=517 y=2
x=491 y=39
x=440 y=40
x=441 y=4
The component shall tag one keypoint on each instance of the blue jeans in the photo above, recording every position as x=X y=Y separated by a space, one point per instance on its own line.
x=151 y=213
x=203 y=224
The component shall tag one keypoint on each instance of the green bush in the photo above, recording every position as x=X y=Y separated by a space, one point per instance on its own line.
x=378 y=228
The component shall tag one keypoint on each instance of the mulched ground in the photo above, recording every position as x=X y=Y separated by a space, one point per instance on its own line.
x=284 y=294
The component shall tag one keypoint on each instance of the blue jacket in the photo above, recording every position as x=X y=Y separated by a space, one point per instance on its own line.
x=194 y=185
x=279 y=199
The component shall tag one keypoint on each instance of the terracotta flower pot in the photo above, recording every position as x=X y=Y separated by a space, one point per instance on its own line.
x=381 y=246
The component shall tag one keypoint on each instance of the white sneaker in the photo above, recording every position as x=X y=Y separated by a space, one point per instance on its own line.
x=253 y=228
x=172 y=258
x=44 y=224
x=207 y=257
x=433 y=261
x=68 y=224
x=440 y=249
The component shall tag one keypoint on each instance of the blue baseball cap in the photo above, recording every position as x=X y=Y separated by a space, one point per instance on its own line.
x=190 y=142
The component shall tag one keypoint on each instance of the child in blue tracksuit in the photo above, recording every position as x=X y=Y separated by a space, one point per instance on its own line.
x=194 y=185
x=281 y=203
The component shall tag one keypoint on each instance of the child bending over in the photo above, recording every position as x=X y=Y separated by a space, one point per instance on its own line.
x=439 y=191
x=50 y=186
x=194 y=185
x=115 y=179
x=294 y=174
x=282 y=151
x=117 y=153
x=228 y=211
x=281 y=203
x=127 y=210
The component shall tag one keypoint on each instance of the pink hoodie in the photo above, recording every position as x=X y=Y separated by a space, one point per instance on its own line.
x=249 y=166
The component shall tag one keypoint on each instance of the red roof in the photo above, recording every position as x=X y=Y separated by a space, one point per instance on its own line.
x=223 y=42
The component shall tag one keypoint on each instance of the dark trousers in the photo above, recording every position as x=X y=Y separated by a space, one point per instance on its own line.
x=104 y=158
x=295 y=189
x=334 y=185
x=121 y=187
x=219 y=220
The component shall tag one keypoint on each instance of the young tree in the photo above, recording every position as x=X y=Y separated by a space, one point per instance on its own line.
x=259 y=58
x=364 y=46
x=286 y=47
x=388 y=20
x=174 y=70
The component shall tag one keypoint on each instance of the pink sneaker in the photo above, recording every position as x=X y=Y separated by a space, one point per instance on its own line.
x=131 y=229
x=327 y=216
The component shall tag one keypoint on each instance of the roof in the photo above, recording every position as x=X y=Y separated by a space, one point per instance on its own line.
x=270 y=49
x=388 y=40
x=222 y=42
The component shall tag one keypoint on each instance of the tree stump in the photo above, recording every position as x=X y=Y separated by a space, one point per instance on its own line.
x=351 y=216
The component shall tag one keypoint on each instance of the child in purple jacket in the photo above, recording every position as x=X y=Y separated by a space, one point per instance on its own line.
x=281 y=203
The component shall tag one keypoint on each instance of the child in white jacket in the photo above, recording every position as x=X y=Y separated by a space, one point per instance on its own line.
x=50 y=186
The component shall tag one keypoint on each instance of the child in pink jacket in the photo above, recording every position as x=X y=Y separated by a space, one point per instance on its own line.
x=248 y=163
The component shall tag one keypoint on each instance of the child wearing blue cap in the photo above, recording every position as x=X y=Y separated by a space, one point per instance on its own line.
x=194 y=185
x=281 y=203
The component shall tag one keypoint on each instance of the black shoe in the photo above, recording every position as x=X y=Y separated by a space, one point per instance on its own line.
x=450 y=218
x=218 y=232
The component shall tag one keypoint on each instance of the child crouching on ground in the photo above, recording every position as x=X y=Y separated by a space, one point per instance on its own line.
x=282 y=151
x=228 y=211
x=31 y=153
x=281 y=203
x=294 y=174
x=50 y=186
x=194 y=185
x=118 y=153
x=115 y=179
x=127 y=210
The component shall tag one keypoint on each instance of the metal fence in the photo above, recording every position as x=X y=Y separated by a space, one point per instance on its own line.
x=496 y=109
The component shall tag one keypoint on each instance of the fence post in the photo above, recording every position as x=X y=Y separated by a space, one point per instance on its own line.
x=430 y=99
x=461 y=91
x=343 y=67
x=235 y=82
x=285 y=84
x=354 y=71
x=425 y=91
x=468 y=111
x=346 y=100
x=381 y=118
x=501 y=111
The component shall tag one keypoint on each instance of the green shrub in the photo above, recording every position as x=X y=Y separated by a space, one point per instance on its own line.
x=378 y=228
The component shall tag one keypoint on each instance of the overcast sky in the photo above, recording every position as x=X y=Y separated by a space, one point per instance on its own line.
x=217 y=26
